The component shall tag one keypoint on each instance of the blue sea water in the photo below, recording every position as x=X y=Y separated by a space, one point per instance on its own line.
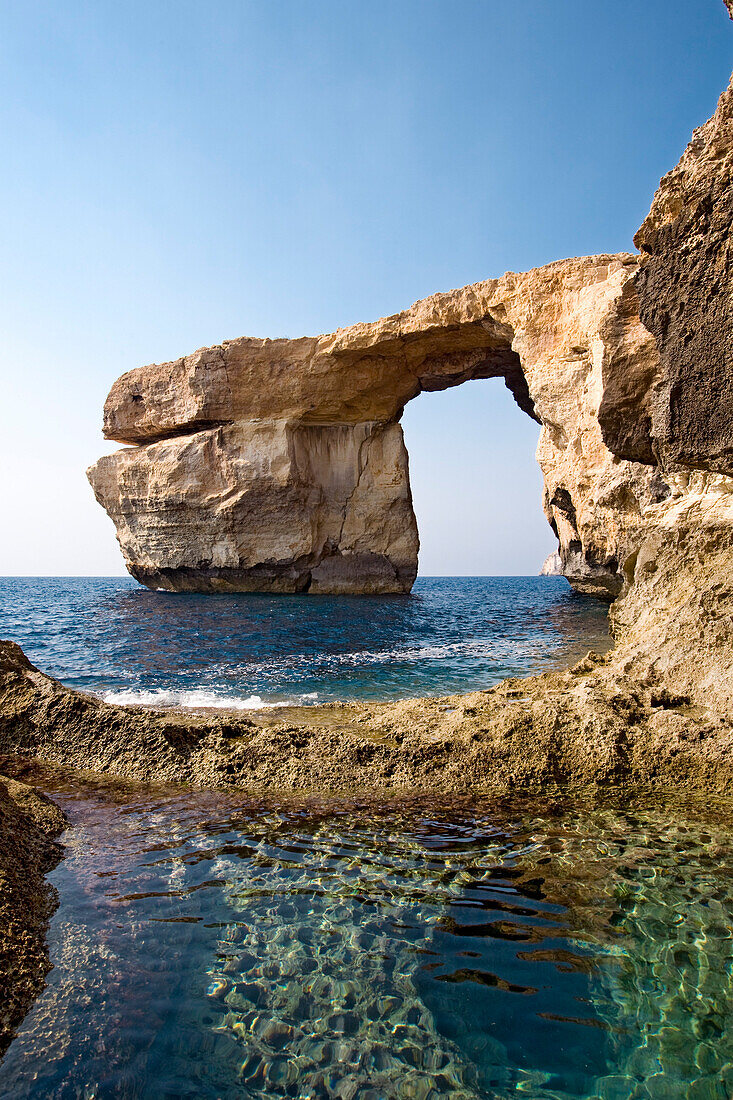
x=114 y=638
x=214 y=945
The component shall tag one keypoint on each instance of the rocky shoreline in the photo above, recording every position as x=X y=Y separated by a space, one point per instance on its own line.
x=29 y=824
x=626 y=363
x=590 y=725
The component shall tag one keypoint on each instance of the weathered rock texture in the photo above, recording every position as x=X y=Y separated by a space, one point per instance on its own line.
x=679 y=409
x=28 y=823
x=268 y=505
x=590 y=725
x=675 y=617
x=279 y=465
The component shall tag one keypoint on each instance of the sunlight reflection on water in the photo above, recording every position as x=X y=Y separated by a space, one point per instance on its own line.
x=210 y=946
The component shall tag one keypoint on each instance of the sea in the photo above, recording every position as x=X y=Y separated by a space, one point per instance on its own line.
x=127 y=644
x=229 y=946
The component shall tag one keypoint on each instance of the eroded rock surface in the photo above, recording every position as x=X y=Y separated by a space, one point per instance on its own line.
x=279 y=465
x=675 y=616
x=679 y=410
x=267 y=505
x=594 y=724
x=28 y=823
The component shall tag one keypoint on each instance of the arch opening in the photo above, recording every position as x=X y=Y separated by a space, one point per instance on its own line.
x=476 y=486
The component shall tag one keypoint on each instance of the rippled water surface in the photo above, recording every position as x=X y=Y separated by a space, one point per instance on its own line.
x=209 y=948
x=110 y=636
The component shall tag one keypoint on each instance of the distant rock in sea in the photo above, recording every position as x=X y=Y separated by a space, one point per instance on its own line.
x=552 y=565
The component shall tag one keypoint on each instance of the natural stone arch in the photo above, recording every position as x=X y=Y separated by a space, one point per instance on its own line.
x=279 y=465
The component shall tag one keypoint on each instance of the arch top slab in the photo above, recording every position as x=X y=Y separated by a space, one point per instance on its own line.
x=279 y=465
x=368 y=371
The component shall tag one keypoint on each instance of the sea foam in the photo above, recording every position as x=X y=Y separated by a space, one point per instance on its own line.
x=165 y=697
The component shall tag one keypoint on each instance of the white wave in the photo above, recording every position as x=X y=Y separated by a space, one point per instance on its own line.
x=496 y=650
x=164 y=697
x=434 y=652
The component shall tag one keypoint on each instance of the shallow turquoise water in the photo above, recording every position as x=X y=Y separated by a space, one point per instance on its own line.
x=113 y=637
x=209 y=947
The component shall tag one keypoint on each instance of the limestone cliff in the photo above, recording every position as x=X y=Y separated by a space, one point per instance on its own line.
x=675 y=615
x=679 y=409
x=279 y=465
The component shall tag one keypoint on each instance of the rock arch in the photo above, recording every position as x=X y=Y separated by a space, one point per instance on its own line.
x=279 y=465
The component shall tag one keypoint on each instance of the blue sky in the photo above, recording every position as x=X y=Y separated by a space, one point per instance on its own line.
x=180 y=173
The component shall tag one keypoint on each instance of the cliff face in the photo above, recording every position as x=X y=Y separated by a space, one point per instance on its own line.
x=680 y=410
x=674 y=618
x=673 y=621
x=279 y=465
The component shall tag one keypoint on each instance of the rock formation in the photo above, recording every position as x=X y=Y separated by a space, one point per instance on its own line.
x=674 y=617
x=678 y=410
x=552 y=565
x=592 y=724
x=28 y=823
x=280 y=465
x=266 y=505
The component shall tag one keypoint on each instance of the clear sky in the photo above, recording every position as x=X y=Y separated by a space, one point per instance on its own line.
x=179 y=173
